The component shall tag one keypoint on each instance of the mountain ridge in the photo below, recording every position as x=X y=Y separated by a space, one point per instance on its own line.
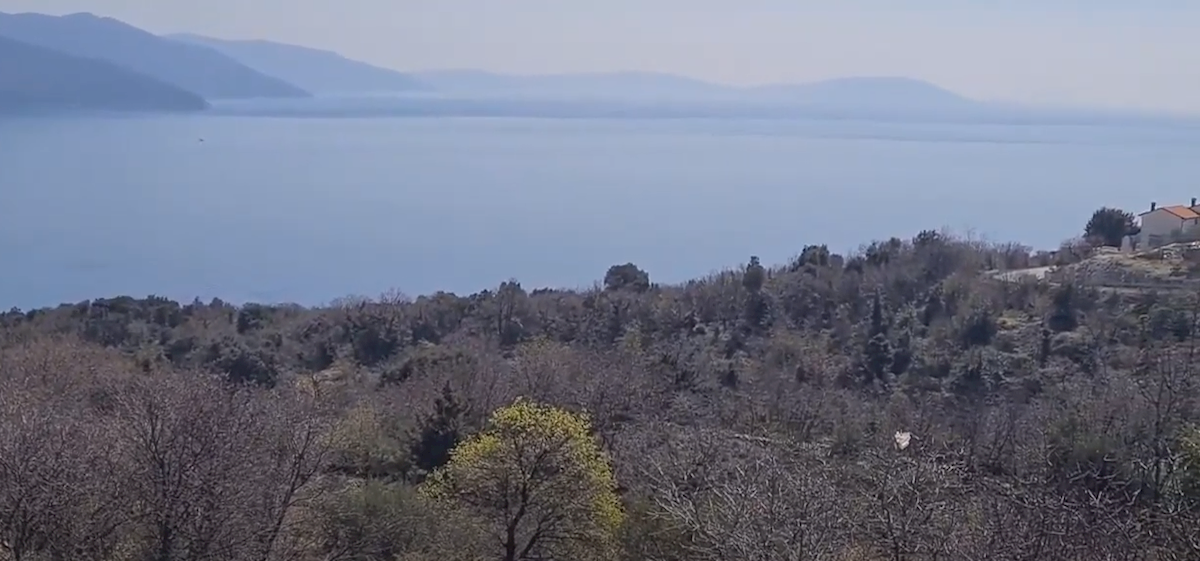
x=836 y=91
x=314 y=70
x=36 y=78
x=200 y=70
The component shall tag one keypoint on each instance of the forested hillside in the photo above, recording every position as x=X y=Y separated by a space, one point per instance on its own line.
x=894 y=404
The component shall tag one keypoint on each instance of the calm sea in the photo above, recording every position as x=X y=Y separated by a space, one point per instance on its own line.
x=309 y=209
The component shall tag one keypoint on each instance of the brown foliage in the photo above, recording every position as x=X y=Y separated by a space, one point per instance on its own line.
x=749 y=414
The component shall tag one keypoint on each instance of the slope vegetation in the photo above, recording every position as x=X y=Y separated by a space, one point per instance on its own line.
x=895 y=403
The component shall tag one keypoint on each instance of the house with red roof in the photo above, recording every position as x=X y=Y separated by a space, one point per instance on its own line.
x=1163 y=224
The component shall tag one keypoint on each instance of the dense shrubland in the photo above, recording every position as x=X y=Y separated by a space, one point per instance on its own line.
x=749 y=415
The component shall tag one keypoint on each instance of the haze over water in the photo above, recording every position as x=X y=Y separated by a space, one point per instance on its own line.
x=310 y=209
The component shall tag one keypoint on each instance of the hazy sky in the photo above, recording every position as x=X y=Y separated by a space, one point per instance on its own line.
x=1143 y=53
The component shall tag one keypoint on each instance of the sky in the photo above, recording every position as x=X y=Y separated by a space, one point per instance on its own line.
x=1098 y=53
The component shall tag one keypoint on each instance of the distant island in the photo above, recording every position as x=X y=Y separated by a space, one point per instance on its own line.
x=194 y=68
x=37 y=79
x=315 y=70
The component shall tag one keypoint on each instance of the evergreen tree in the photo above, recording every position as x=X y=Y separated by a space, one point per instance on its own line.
x=755 y=275
x=440 y=432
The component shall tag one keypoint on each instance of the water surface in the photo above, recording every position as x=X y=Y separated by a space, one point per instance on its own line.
x=308 y=209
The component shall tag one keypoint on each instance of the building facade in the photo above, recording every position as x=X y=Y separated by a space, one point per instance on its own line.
x=1163 y=225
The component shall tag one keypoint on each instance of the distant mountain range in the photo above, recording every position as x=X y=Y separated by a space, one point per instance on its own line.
x=33 y=78
x=47 y=49
x=581 y=85
x=315 y=70
x=860 y=92
x=649 y=95
x=87 y=61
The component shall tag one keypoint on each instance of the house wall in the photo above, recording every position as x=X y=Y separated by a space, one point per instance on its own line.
x=1162 y=223
x=1159 y=223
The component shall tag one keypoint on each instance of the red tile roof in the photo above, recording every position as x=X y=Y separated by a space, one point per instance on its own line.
x=1178 y=211
x=1182 y=212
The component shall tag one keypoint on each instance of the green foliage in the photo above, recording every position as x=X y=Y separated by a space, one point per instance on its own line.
x=367 y=444
x=424 y=360
x=814 y=255
x=508 y=309
x=758 y=311
x=754 y=276
x=538 y=478
x=626 y=277
x=1109 y=226
x=979 y=328
x=439 y=433
x=1064 y=314
x=251 y=317
x=877 y=359
x=375 y=333
x=377 y=521
x=243 y=365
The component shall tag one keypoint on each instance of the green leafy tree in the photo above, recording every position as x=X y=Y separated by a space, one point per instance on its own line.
x=1109 y=226
x=539 y=481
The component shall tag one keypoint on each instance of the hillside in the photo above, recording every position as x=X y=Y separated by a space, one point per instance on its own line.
x=194 y=68
x=1174 y=267
x=894 y=403
x=34 y=78
x=869 y=92
x=317 y=71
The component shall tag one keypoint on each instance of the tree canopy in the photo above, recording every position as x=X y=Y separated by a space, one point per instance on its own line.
x=1109 y=226
x=749 y=414
x=539 y=479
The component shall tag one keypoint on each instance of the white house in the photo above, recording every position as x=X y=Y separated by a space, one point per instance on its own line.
x=1160 y=223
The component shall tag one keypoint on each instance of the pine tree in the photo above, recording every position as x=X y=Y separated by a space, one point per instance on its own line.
x=755 y=275
x=440 y=432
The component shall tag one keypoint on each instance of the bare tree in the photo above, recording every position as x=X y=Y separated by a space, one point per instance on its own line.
x=287 y=451
x=771 y=504
x=60 y=481
x=905 y=505
x=35 y=462
x=184 y=438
